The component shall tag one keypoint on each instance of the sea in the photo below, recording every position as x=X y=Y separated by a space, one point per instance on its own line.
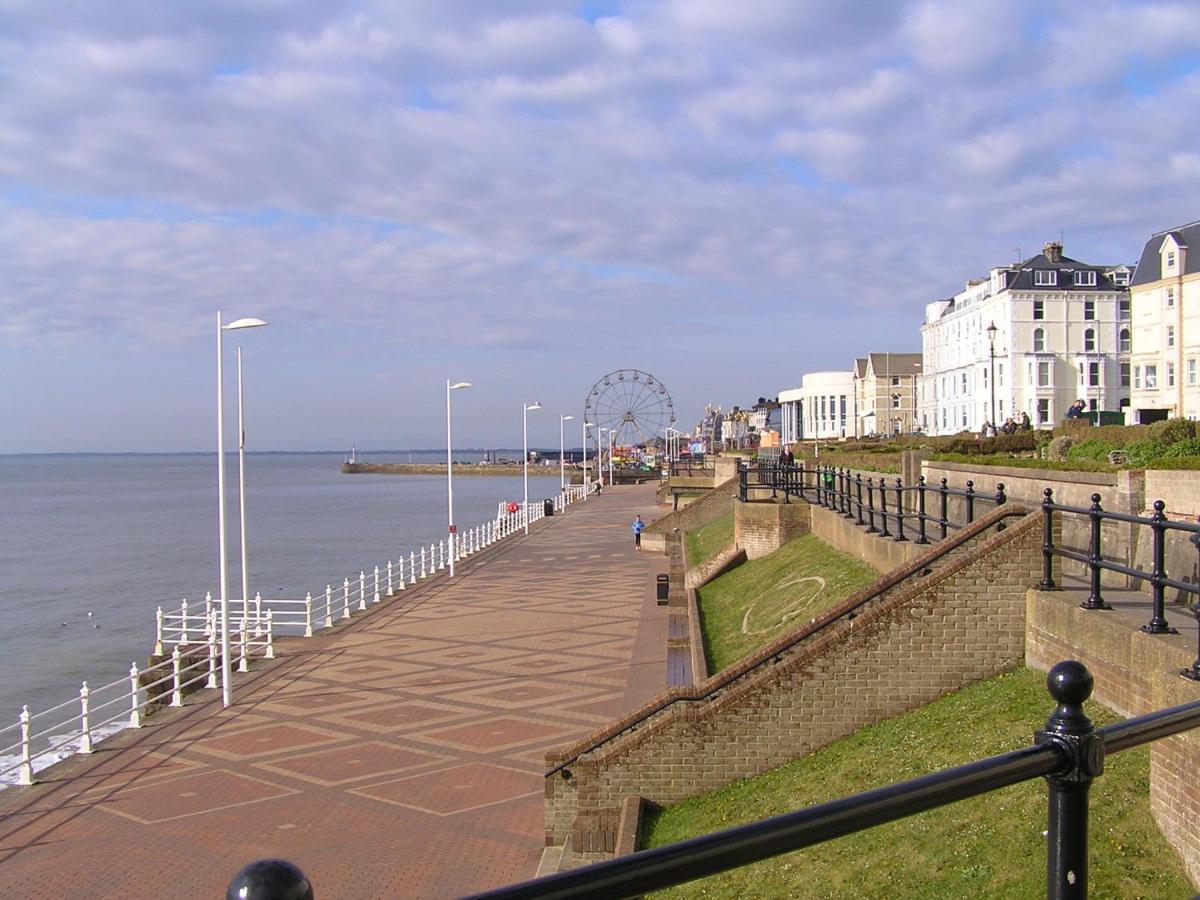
x=91 y=544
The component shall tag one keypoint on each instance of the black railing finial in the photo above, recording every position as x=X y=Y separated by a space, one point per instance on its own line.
x=1047 y=583
x=270 y=879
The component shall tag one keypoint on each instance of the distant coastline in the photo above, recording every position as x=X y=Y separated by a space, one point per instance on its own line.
x=359 y=468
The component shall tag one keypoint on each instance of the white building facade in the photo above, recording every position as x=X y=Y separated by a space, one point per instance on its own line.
x=1062 y=333
x=1165 y=297
x=822 y=408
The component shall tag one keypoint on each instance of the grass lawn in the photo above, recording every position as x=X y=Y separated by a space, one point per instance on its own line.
x=755 y=602
x=988 y=846
x=704 y=542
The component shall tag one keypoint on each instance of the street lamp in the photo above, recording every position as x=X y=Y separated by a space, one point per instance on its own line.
x=562 y=463
x=611 y=434
x=450 y=476
x=527 y=409
x=601 y=444
x=226 y=668
x=991 y=333
x=584 y=426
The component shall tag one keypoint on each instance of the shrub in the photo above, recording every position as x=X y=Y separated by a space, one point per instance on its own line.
x=1091 y=449
x=1172 y=431
x=1186 y=447
x=1179 y=462
x=1059 y=448
x=1139 y=453
x=1021 y=442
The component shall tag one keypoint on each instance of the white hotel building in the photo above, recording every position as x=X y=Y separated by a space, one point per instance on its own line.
x=1062 y=333
x=822 y=408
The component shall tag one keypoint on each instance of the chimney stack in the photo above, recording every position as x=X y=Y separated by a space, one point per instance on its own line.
x=1053 y=251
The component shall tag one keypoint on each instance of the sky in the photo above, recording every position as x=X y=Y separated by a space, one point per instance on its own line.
x=528 y=195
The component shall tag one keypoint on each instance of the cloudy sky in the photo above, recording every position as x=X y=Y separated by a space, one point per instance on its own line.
x=531 y=193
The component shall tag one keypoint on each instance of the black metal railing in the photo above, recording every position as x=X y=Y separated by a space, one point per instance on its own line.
x=695 y=465
x=1068 y=752
x=1093 y=559
x=887 y=508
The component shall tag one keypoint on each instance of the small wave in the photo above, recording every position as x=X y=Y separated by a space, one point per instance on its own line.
x=69 y=747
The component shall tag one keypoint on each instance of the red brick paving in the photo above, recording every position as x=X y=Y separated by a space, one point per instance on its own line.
x=398 y=755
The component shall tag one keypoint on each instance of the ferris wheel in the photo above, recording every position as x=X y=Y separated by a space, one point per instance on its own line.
x=632 y=404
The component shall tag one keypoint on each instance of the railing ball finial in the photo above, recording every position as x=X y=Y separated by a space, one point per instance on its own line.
x=1096 y=499
x=1070 y=684
x=270 y=879
x=1159 y=507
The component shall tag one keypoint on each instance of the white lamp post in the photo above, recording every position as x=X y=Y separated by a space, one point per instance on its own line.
x=226 y=668
x=584 y=426
x=450 y=476
x=562 y=462
x=527 y=408
x=611 y=434
x=601 y=446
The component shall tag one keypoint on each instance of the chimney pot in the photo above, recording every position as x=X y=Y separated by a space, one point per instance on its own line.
x=1053 y=251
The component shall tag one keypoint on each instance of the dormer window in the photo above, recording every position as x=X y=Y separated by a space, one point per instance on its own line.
x=1045 y=278
x=1170 y=259
x=1120 y=278
x=1085 y=279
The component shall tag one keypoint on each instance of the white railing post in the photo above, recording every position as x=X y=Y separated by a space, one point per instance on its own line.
x=183 y=607
x=400 y=571
x=308 y=630
x=85 y=720
x=135 y=706
x=26 y=776
x=376 y=597
x=362 y=590
x=243 y=663
x=209 y=621
x=412 y=566
x=158 y=620
x=441 y=554
x=424 y=574
x=257 y=614
x=212 y=652
x=328 y=606
x=176 y=689
x=390 y=591
x=270 y=634
x=345 y=598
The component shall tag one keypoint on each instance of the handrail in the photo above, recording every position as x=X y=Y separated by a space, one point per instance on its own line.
x=1068 y=752
x=773 y=651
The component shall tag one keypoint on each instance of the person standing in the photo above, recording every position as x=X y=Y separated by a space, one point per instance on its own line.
x=638 y=525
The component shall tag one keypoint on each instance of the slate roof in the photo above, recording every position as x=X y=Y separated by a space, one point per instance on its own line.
x=1021 y=275
x=896 y=363
x=860 y=367
x=1149 y=267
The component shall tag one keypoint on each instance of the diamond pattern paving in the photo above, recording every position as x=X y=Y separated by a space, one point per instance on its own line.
x=399 y=754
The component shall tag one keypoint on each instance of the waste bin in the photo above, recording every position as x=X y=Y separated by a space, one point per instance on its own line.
x=663 y=585
x=549 y=507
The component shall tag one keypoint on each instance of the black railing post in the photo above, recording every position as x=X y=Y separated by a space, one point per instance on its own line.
x=1095 y=600
x=858 y=487
x=900 y=510
x=1194 y=672
x=944 y=521
x=1158 y=621
x=921 y=538
x=870 y=508
x=1072 y=733
x=743 y=475
x=970 y=495
x=773 y=471
x=847 y=496
x=883 y=512
x=1047 y=582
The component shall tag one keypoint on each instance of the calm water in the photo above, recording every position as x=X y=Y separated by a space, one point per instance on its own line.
x=90 y=545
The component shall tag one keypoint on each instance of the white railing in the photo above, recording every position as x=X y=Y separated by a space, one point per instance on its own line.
x=186 y=644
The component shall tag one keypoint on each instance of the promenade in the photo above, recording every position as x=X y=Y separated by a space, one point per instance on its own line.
x=398 y=755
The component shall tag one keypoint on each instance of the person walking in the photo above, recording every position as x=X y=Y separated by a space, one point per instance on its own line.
x=638 y=525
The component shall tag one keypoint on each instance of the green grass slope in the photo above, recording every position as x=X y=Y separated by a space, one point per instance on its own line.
x=704 y=542
x=989 y=846
x=754 y=603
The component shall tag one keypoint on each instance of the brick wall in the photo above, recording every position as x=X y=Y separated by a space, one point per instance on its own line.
x=762 y=527
x=1136 y=673
x=695 y=515
x=922 y=637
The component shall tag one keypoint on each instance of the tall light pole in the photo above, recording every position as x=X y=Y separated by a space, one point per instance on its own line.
x=611 y=434
x=526 y=409
x=601 y=445
x=226 y=668
x=584 y=426
x=451 y=529
x=242 y=492
x=562 y=463
x=991 y=333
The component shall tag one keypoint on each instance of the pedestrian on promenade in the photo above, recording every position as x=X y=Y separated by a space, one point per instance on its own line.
x=598 y=483
x=638 y=525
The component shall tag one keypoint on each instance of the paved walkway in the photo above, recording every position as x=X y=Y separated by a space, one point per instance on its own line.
x=400 y=755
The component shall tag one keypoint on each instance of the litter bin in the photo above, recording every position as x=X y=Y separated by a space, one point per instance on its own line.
x=663 y=586
x=549 y=507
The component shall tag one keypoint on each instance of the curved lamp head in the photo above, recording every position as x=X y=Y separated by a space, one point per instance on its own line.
x=243 y=323
x=532 y=406
x=461 y=384
x=589 y=424
x=566 y=418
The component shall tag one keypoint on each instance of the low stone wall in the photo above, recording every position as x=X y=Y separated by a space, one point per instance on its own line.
x=919 y=639
x=695 y=515
x=1136 y=673
x=722 y=561
x=848 y=536
x=762 y=527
